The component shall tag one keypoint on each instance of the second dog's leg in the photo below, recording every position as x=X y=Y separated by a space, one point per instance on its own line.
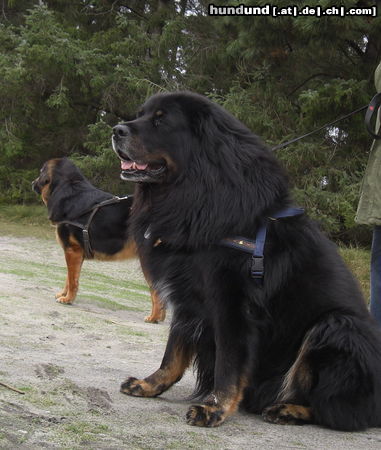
x=74 y=258
x=64 y=290
x=158 y=309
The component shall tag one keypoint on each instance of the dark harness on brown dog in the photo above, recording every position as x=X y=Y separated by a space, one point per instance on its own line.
x=89 y=253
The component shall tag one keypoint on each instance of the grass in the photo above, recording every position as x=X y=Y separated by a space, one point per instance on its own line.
x=41 y=399
x=94 y=287
x=83 y=433
x=112 y=304
x=85 y=427
x=25 y=220
x=358 y=260
x=24 y=214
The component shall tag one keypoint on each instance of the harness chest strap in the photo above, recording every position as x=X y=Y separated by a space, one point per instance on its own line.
x=89 y=253
x=256 y=247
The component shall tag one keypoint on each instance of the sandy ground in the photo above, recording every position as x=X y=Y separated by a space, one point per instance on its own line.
x=70 y=361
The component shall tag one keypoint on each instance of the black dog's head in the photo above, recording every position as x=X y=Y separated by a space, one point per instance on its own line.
x=192 y=153
x=149 y=146
x=168 y=132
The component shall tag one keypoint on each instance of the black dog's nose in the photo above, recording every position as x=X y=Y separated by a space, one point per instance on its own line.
x=121 y=130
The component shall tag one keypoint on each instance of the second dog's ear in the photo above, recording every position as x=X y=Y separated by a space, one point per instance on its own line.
x=40 y=182
x=35 y=186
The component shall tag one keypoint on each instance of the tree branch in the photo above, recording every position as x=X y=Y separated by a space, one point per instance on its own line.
x=307 y=80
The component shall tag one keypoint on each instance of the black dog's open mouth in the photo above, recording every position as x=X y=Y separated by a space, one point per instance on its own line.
x=133 y=170
x=138 y=171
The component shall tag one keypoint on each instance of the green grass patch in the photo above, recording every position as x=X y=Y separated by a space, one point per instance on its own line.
x=98 y=277
x=25 y=221
x=102 y=290
x=24 y=214
x=86 y=427
x=358 y=260
x=88 y=280
x=32 y=269
x=18 y=272
x=83 y=432
x=25 y=230
x=111 y=304
x=43 y=400
x=25 y=389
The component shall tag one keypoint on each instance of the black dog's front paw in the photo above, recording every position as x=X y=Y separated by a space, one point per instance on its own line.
x=140 y=388
x=205 y=416
x=133 y=386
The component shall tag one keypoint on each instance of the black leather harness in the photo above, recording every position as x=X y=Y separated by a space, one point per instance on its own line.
x=89 y=253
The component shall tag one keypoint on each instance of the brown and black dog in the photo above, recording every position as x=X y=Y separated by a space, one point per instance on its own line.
x=83 y=230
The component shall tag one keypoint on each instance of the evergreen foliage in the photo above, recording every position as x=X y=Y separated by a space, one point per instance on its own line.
x=70 y=70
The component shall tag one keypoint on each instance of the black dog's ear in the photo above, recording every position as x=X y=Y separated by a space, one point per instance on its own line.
x=212 y=121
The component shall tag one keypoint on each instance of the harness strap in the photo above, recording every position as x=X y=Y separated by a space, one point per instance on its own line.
x=89 y=253
x=256 y=248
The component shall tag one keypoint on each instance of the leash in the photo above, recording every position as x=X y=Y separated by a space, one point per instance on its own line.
x=371 y=109
x=256 y=247
x=89 y=253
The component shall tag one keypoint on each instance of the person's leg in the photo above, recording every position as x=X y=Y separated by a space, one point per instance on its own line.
x=375 y=275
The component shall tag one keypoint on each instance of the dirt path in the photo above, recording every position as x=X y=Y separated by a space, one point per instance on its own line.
x=70 y=361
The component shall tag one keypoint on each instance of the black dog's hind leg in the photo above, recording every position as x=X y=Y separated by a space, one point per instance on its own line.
x=337 y=376
x=290 y=408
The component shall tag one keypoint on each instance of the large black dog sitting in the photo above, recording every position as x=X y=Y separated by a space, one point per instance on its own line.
x=297 y=345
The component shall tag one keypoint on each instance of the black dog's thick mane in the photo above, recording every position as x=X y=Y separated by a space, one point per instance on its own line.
x=216 y=193
x=71 y=194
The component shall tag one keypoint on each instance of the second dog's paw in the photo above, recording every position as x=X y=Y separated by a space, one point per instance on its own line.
x=150 y=319
x=66 y=300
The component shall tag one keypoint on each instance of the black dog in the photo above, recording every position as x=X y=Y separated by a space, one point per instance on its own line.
x=298 y=344
x=72 y=203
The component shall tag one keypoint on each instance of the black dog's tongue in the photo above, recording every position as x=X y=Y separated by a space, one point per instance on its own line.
x=127 y=165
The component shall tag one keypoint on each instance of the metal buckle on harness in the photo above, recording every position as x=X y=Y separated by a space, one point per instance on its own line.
x=257 y=267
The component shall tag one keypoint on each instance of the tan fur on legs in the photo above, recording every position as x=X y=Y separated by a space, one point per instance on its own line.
x=217 y=407
x=175 y=362
x=287 y=414
x=74 y=256
x=158 y=309
x=63 y=293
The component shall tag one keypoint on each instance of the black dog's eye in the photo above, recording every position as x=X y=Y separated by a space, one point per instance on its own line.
x=158 y=117
x=140 y=113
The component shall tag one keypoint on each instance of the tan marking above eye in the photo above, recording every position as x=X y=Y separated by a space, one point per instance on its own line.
x=159 y=113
